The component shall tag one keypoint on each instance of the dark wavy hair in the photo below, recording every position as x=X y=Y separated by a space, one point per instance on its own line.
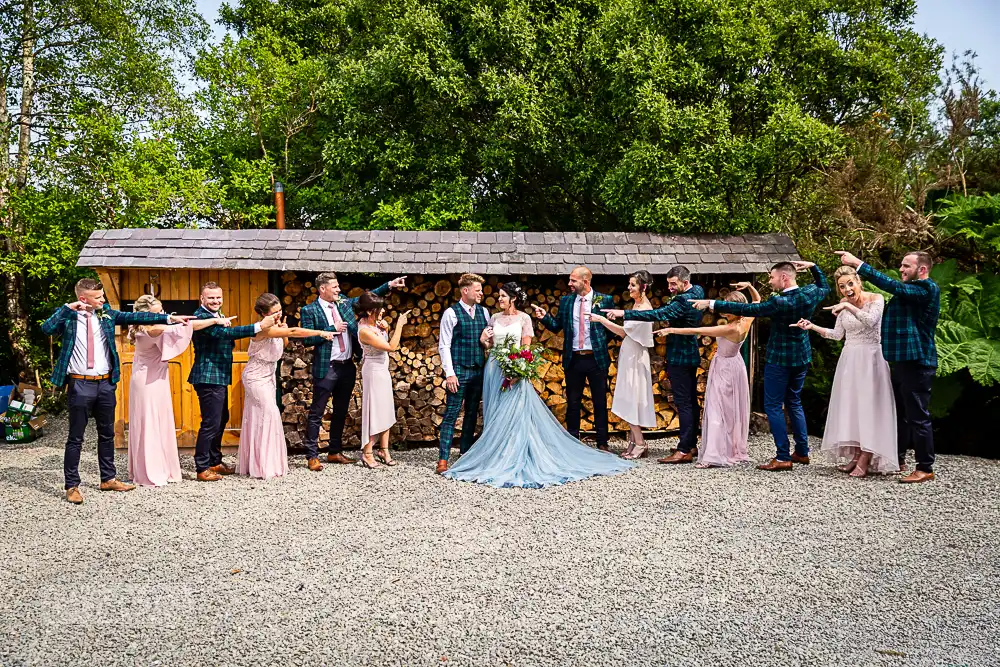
x=368 y=303
x=643 y=279
x=265 y=302
x=516 y=293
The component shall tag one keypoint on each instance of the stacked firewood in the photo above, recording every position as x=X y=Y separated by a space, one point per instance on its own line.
x=416 y=366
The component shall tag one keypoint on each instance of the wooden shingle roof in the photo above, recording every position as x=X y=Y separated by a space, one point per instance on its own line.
x=497 y=253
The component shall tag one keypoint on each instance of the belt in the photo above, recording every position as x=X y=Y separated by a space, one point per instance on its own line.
x=341 y=362
x=90 y=378
x=584 y=352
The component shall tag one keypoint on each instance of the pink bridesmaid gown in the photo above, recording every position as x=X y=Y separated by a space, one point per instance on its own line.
x=263 y=453
x=152 y=441
x=725 y=424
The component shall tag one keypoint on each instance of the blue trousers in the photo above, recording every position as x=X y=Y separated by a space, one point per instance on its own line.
x=783 y=388
x=86 y=399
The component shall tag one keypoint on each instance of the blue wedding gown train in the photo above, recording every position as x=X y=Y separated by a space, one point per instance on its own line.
x=523 y=444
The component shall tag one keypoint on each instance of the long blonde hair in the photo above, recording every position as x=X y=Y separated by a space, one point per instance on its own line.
x=143 y=304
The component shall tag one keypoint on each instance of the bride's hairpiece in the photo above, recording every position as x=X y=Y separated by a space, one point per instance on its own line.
x=516 y=293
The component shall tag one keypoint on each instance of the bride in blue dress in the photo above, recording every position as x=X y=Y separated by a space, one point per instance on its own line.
x=522 y=443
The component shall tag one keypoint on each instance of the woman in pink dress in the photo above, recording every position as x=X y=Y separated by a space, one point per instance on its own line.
x=861 y=421
x=378 y=409
x=263 y=452
x=725 y=423
x=152 y=440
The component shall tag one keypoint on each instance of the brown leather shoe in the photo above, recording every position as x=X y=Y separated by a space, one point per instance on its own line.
x=115 y=485
x=775 y=465
x=804 y=460
x=442 y=466
x=339 y=458
x=315 y=465
x=223 y=469
x=73 y=495
x=209 y=476
x=916 y=477
x=678 y=457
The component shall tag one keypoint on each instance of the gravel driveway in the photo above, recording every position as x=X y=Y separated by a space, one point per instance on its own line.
x=660 y=566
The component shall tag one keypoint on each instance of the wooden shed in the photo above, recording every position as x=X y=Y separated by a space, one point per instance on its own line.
x=172 y=264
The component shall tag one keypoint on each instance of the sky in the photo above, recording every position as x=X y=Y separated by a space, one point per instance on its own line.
x=956 y=24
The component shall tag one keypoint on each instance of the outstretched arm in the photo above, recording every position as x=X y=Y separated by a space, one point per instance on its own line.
x=763 y=309
x=919 y=290
x=714 y=331
x=673 y=310
x=309 y=321
x=616 y=329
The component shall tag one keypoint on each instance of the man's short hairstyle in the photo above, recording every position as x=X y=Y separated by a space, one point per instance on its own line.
x=88 y=285
x=923 y=258
x=784 y=267
x=467 y=279
x=211 y=284
x=585 y=273
x=325 y=278
x=680 y=272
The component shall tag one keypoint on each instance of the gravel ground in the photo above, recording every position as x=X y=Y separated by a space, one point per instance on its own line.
x=660 y=566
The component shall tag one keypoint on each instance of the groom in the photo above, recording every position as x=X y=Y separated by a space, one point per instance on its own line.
x=682 y=356
x=788 y=353
x=88 y=365
x=585 y=351
x=460 y=346
x=908 y=329
x=333 y=365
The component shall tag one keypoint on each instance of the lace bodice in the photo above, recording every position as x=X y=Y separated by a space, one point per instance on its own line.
x=510 y=326
x=262 y=357
x=863 y=328
x=373 y=352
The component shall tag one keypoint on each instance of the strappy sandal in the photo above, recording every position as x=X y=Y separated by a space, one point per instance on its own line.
x=383 y=456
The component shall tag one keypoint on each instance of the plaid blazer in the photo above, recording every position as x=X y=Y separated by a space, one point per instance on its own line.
x=213 y=351
x=598 y=334
x=312 y=317
x=681 y=350
x=787 y=345
x=63 y=324
x=910 y=319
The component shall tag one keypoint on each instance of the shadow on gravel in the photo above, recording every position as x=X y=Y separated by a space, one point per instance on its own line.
x=43 y=478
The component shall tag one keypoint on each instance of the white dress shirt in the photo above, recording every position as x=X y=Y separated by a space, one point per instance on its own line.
x=336 y=354
x=102 y=355
x=448 y=322
x=588 y=305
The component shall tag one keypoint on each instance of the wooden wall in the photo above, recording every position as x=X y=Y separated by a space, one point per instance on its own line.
x=240 y=290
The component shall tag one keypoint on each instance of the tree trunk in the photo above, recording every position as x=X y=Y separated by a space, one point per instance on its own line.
x=17 y=316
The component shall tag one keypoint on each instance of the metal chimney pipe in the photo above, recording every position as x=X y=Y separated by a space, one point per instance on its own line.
x=279 y=204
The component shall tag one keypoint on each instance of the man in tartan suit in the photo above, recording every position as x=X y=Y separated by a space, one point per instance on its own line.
x=333 y=366
x=211 y=375
x=788 y=353
x=682 y=356
x=460 y=346
x=586 y=357
x=88 y=365
x=909 y=325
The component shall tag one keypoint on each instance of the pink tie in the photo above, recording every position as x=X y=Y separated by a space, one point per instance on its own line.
x=90 y=341
x=336 y=319
x=582 y=325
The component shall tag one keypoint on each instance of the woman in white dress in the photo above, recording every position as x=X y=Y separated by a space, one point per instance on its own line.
x=633 y=399
x=861 y=423
x=378 y=407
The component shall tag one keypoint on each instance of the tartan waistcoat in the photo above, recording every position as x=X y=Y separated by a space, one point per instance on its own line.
x=681 y=350
x=465 y=348
x=909 y=322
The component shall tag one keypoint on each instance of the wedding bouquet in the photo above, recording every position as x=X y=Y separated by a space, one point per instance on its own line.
x=516 y=362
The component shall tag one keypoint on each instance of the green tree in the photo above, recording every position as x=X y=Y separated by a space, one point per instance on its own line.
x=667 y=115
x=89 y=90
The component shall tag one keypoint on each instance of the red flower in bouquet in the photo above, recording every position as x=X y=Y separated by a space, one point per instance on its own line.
x=512 y=356
x=527 y=355
x=516 y=363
